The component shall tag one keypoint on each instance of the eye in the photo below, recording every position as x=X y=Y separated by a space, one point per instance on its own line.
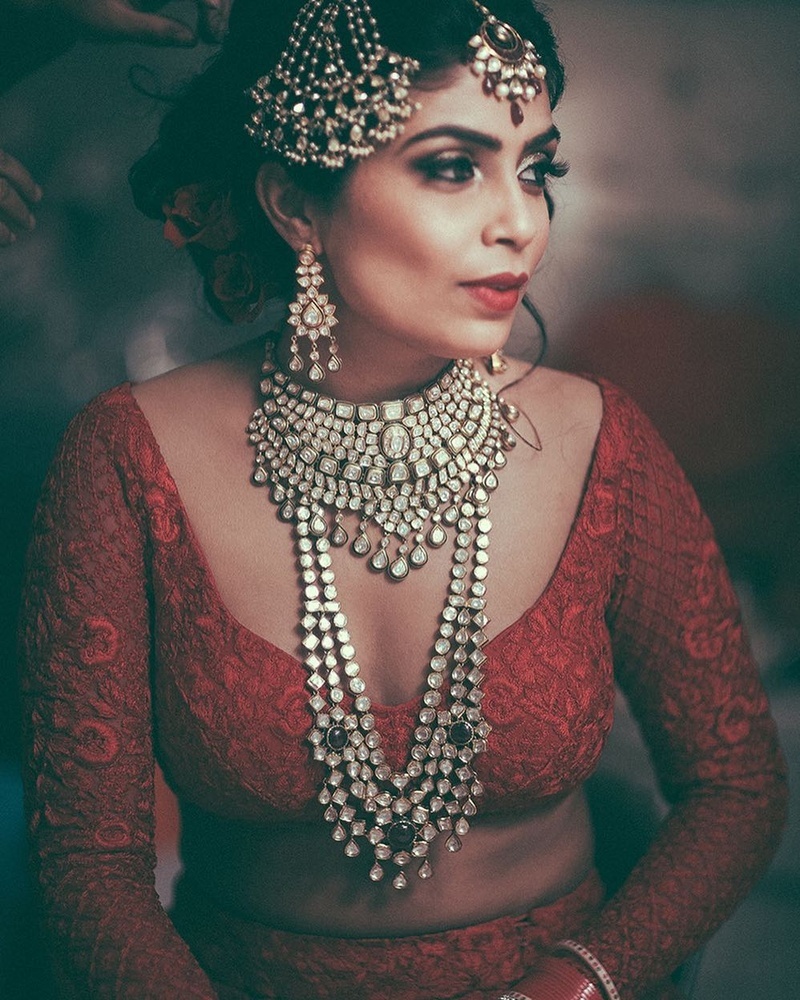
x=537 y=168
x=453 y=168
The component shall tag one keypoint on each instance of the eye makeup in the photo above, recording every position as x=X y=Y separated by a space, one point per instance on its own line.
x=542 y=166
x=456 y=167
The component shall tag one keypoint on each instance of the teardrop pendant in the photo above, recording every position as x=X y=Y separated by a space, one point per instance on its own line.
x=318 y=526
x=425 y=870
x=398 y=569
x=453 y=843
x=361 y=544
x=437 y=536
x=418 y=556
x=315 y=373
x=451 y=515
x=339 y=536
x=379 y=561
x=334 y=363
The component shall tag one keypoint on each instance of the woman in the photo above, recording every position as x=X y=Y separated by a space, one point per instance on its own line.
x=384 y=167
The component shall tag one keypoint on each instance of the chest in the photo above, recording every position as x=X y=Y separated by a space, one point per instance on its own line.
x=251 y=557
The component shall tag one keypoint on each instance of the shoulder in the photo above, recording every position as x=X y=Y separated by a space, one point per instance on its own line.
x=97 y=433
x=593 y=404
x=588 y=417
x=564 y=410
x=205 y=397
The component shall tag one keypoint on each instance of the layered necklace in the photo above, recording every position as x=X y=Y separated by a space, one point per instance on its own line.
x=414 y=472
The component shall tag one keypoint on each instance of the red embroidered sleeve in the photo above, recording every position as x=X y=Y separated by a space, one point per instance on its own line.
x=684 y=663
x=86 y=696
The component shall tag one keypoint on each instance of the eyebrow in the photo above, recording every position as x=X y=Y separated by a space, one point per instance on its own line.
x=480 y=138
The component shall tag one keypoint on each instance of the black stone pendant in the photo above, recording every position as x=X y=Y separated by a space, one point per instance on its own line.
x=336 y=737
x=401 y=835
x=461 y=733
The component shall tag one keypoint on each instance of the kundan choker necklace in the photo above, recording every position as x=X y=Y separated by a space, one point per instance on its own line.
x=412 y=470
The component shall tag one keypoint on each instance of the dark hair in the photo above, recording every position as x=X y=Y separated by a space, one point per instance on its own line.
x=202 y=141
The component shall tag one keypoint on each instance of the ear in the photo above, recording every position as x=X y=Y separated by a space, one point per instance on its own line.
x=286 y=206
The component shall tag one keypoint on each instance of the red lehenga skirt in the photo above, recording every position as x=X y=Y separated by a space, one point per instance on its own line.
x=247 y=960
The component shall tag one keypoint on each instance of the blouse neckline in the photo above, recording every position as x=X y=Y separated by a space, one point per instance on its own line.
x=592 y=475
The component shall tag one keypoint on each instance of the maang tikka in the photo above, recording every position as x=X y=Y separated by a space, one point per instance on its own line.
x=312 y=316
x=509 y=64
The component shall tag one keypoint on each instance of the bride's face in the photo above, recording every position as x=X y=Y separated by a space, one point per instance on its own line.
x=434 y=237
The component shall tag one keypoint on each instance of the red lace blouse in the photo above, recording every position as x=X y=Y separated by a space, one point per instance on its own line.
x=126 y=644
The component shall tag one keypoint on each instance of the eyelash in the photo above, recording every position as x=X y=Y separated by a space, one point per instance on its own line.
x=434 y=168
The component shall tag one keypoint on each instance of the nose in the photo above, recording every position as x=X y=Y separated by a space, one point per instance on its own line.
x=515 y=217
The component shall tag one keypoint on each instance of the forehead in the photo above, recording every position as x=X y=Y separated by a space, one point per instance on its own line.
x=459 y=99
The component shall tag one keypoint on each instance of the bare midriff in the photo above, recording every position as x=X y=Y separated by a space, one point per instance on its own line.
x=292 y=876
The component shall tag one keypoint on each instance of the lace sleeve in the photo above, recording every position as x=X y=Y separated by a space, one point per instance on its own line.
x=86 y=701
x=683 y=660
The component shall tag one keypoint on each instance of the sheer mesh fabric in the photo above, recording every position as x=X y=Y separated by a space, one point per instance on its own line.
x=126 y=645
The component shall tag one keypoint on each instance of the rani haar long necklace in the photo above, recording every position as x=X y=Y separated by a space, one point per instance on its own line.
x=414 y=471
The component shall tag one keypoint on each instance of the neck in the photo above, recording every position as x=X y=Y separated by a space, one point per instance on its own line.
x=367 y=376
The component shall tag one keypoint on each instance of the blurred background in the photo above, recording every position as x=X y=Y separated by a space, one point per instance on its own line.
x=673 y=269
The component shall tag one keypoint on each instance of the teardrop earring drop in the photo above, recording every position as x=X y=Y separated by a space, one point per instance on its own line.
x=312 y=316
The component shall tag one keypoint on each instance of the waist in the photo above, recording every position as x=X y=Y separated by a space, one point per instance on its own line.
x=245 y=958
x=292 y=876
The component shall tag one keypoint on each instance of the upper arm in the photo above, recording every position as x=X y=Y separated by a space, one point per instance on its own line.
x=682 y=655
x=85 y=645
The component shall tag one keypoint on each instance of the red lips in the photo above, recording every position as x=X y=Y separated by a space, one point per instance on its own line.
x=500 y=292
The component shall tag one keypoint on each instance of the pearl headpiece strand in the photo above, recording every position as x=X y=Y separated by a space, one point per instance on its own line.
x=337 y=92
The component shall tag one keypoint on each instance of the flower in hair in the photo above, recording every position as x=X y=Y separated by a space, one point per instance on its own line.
x=200 y=215
x=238 y=290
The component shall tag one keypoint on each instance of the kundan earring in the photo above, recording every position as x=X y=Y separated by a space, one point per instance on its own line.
x=496 y=363
x=312 y=316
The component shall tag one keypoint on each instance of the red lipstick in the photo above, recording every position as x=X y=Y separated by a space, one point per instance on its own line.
x=500 y=292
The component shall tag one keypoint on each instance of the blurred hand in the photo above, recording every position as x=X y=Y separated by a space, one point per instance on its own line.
x=18 y=191
x=121 y=20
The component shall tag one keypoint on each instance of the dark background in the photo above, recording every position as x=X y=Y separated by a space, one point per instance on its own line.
x=673 y=269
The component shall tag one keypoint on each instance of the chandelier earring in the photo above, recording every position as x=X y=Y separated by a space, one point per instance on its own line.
x=313 y=317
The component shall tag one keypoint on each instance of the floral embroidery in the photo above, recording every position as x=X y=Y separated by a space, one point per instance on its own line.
x=95 y=742
x=100 y=641
x=162 y=515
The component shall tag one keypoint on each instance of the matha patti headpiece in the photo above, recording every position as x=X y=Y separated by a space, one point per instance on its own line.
x=509 y=64
x=336 y=92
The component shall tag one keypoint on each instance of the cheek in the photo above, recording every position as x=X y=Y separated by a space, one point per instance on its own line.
x=379 y=242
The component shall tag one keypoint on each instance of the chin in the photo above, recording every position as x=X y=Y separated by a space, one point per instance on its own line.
x=480 y=339
x=456 y=335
